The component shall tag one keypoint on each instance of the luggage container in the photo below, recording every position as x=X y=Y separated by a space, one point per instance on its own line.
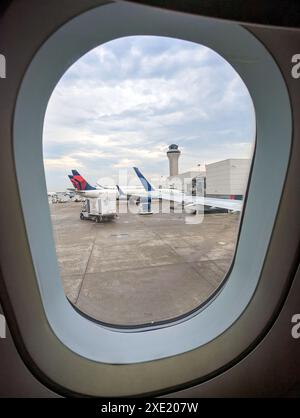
x=100 y=208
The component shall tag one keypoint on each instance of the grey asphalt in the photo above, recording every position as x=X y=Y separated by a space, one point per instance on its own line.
x=141 y=269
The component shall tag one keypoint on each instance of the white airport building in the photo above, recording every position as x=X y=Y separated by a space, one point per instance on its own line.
x=222 y=179
x=227 y=178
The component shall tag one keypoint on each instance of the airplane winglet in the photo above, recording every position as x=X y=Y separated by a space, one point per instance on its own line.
x=120 y=190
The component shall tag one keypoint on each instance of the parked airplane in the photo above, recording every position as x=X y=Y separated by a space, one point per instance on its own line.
x=190 y=202
x=83 y=188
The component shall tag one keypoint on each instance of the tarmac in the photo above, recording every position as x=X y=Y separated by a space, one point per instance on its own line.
x=141 y=269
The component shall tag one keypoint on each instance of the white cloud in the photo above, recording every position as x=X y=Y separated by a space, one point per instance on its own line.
x=124 y=102
x=125 y=162
x=65 y=162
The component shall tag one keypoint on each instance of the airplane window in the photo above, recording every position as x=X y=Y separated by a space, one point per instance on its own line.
x=147 y=144
x=143 y=268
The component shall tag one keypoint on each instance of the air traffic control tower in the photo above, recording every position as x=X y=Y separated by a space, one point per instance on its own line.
x=173 y=154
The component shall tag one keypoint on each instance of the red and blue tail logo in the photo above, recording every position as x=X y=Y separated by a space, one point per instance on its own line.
x=79 y=182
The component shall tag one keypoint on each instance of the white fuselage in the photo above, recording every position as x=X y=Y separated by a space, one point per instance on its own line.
x=128 y=190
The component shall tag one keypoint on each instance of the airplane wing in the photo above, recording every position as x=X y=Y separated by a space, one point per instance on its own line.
x=188 y=201
x=230 y=204
x=194 y=201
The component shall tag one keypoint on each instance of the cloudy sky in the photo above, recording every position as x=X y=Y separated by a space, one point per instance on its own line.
x=124 y=102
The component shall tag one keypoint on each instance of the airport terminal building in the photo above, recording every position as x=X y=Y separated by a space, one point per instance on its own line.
x=225 y=179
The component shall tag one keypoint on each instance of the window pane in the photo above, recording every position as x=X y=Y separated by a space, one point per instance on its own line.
x=179 y=113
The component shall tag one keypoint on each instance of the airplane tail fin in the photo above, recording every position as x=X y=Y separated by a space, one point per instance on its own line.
x=147 y=186
x=73 y=181
x=79 y=182
x=121 y=192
